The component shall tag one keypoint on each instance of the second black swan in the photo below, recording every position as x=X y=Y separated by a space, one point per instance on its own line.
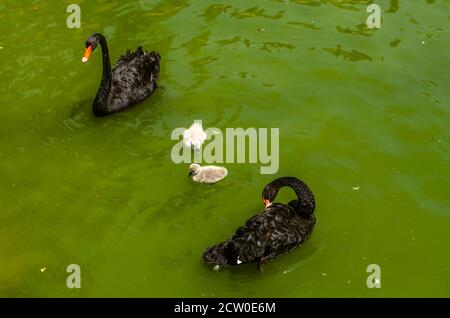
x=279 y=229
x=130 y=81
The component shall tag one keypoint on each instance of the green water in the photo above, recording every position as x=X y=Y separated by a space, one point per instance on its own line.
x=363 y=118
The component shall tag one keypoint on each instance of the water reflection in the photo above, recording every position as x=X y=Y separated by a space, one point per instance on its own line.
x=255 y=12
x=306 y=25
x=394 y=6
x=197 y=42
x=361 y=29
x=353 y=55
x=395 y=43
x=341 y=4
x=265 y=45
x=269 y=46
x=164 y=9
x=213 y=11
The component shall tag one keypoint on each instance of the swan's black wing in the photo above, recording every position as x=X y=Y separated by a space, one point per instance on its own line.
x=274 y=232
x=133 y=78
x=246 y=245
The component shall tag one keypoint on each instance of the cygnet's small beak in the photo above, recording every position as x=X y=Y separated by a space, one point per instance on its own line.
x=190 y=173
x=267 y=203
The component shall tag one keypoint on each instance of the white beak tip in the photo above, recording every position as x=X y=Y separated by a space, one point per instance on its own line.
x=84 y=60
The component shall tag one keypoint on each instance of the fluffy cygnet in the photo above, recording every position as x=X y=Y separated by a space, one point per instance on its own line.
x=207 y=174
x=194 y=136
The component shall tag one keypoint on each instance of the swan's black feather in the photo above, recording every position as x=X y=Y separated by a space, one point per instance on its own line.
x=132 y=79
x=276 y=231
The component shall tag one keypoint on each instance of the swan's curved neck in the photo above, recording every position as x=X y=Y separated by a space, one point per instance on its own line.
x=305 y=203
x=105 y=86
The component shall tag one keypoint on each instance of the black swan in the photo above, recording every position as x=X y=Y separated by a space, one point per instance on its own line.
x=278 y=230
x=131 y=80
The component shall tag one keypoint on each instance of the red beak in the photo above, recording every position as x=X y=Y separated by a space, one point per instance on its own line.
x=87 y=54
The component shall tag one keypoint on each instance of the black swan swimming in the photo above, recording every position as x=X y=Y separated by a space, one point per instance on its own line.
x=131 y=80
x=278 y=230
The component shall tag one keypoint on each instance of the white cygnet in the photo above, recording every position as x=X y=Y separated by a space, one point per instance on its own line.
x=194 y=136
x=207 y=174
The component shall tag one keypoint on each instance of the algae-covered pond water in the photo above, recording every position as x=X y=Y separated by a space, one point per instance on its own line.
x=363 y=117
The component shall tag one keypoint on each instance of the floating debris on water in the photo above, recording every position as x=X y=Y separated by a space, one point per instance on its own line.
x=43 y=269
x=355 y=188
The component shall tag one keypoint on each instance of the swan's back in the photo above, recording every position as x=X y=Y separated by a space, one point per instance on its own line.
x=278 y=230
x=134 y=78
